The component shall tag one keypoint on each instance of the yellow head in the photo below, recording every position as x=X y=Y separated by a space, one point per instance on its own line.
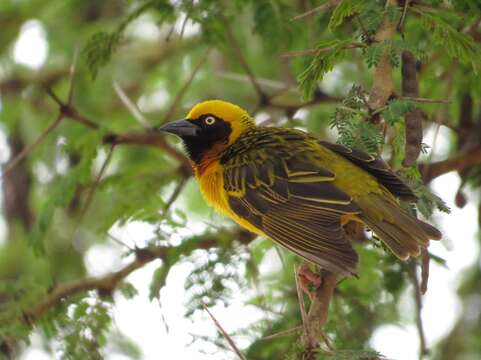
x=210 y=127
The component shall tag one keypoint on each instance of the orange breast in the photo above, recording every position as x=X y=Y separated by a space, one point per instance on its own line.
x=211 y=182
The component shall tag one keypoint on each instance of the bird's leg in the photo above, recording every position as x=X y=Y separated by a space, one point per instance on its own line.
x=308 y=279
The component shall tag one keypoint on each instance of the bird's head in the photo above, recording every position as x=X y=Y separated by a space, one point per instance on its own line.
x=210 y=127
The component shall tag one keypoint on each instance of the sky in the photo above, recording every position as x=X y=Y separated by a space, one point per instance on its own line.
x=159 y=328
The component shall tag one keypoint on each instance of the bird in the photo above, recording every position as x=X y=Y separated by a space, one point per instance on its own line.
x=297 y=189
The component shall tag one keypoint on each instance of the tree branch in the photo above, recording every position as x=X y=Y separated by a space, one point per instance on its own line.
x=105 y=284
x=318 y=313
x=151 y=138
x=413 y=119
x=325 y=6
x=29 y=148
x=423 y=350
x=458 y=162
x=383 y=85
x=108 y=283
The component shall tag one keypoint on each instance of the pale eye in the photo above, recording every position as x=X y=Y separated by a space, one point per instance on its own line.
x=209 y=120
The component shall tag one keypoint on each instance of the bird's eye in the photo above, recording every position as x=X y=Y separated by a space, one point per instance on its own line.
x=209 y=120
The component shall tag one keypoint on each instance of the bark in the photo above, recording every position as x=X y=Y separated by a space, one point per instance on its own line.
x=16 y=186
x=383 y=85
x=413 y=119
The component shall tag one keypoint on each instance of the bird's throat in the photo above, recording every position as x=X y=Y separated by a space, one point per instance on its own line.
x=203 y=154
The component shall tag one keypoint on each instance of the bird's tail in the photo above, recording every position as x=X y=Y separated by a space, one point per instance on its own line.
x=402 y=233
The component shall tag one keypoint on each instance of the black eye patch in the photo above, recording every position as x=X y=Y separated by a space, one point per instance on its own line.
x=213 y=128
x=209 y=133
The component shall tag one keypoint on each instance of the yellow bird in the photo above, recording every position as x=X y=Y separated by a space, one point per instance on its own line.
x=296 y=189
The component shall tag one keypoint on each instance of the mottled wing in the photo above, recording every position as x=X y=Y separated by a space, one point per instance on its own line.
x=295 y=203
x=376 y=167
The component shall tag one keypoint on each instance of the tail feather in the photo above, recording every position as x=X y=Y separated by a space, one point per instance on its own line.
x=402 y=233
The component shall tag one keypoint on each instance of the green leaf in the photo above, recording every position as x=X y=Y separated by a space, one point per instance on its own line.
x=270 y=22
x=396 y=109
x=158 y=281
x=330 y=53
x=344 y=9
x=99 y=49
x=372 y=54
x=457 y=45
x=102 y=45
x=40 y=228
x=128 y=290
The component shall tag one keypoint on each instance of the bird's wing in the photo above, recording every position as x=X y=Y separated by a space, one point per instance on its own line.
x=375 y=166
x=295 y=203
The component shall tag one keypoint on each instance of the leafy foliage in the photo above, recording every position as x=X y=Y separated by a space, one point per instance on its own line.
x=102 y=45
x=270 y=21
x=350 y=122
x=329 y=53
x=19 y=296
x=457 y=44
x=86 y=332
x=395 y=109
x=343 y=10
x=152 y=66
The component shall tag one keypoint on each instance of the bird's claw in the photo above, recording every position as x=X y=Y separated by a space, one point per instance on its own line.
x=309 y=281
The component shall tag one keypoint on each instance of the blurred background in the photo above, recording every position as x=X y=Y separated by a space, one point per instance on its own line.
x=107 y=249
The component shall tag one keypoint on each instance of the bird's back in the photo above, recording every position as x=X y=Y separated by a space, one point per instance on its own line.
x=261 y=144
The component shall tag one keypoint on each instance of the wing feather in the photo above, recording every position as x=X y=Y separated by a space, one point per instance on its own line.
x=293 y=201
x=376 y=167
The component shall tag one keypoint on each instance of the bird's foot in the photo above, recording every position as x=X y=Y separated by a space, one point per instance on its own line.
x=309 y=281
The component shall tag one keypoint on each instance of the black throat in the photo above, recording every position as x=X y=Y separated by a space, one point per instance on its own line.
x=207 y=137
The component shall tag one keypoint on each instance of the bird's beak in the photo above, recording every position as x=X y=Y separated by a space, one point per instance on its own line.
x=180 y=128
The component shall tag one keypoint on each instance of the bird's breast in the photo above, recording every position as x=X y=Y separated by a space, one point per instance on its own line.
x=211 y=183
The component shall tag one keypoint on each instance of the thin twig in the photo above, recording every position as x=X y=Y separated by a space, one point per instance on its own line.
x=302 y=307
x=94 y=186
x=29 y=148
x=424 y=270
x=120 y=242
x=315 y=10
x=72 y=70
x=54 y=96
x=169 y=34
x=400 y=25
x=279 y=334
x=226 y=335
x=314 y=52
x=363 y=29
x=182 y=28
x=423 y=350
x=146 y=138
x=175 y=194
x=327 y=341
x=425 y=100
x=133 y=108
x=185 y=87
x=240 y=56
x=68 y=111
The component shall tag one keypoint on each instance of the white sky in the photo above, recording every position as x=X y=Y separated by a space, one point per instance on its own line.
x=142 y=320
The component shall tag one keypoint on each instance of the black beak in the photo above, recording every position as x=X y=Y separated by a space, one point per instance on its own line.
x=180 y=128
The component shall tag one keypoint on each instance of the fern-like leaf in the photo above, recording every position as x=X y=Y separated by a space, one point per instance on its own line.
x=329 y=54
x=343 y=10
